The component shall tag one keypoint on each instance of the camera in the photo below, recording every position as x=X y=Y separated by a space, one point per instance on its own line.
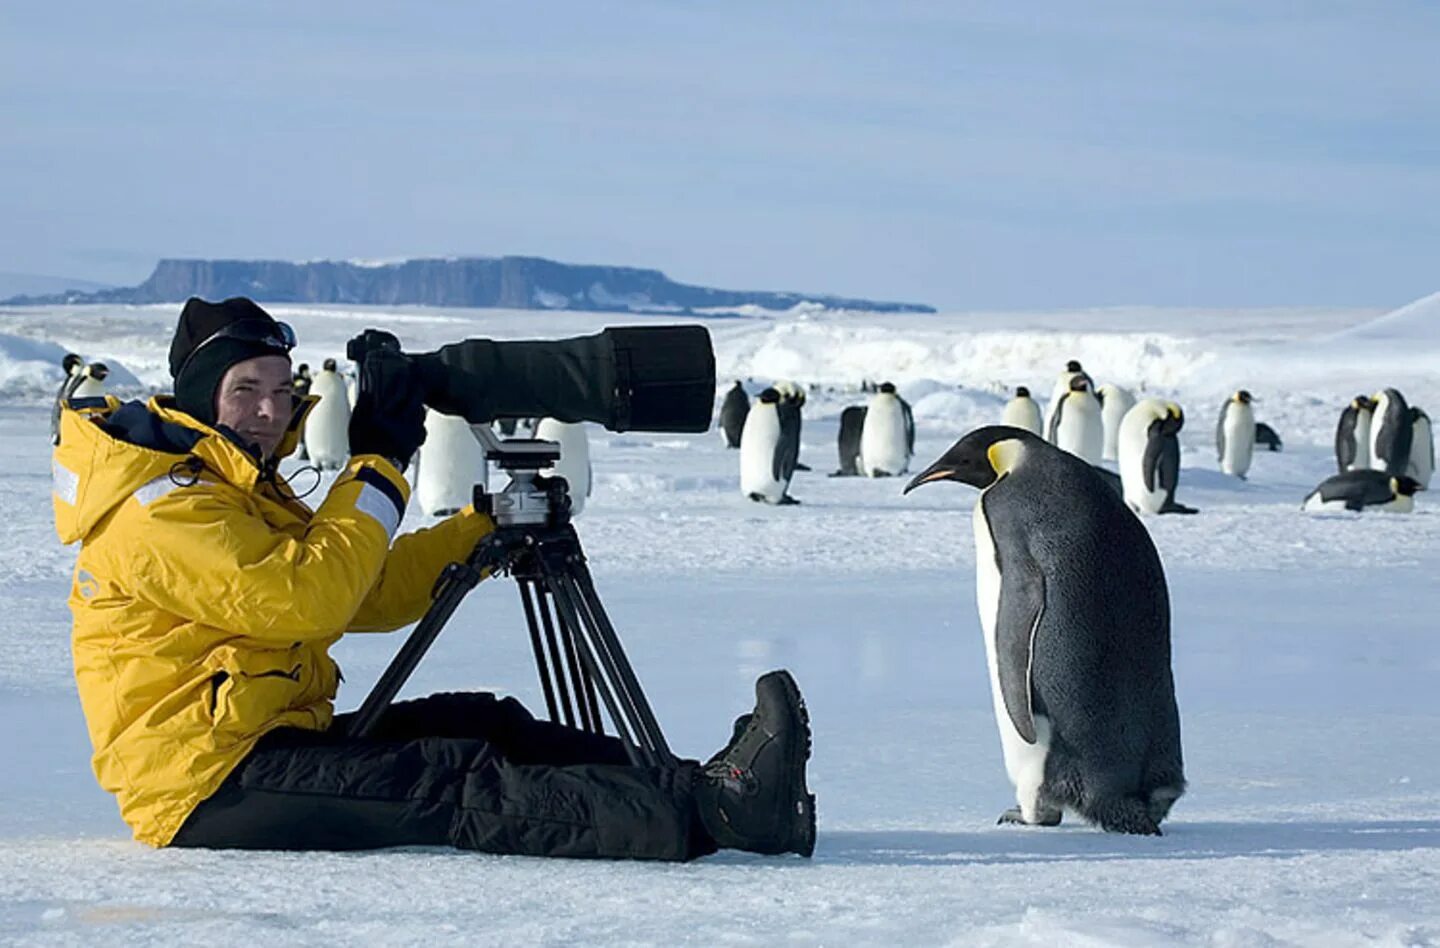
x=626 y=378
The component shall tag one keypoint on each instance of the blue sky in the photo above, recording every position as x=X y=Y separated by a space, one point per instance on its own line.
x=969 y=155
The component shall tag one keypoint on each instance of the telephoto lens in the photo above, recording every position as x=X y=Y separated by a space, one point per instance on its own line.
x=627 y=378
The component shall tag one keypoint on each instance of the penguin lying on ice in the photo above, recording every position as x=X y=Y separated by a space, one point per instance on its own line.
x=1356 y=490
x=1076 y=617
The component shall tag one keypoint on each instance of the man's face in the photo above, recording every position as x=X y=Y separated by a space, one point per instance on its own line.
x=255 y=398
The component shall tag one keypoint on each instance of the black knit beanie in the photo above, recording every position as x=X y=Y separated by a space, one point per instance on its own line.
x=197 y=365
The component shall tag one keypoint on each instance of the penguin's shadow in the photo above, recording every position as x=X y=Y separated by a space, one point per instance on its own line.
x=1080 y=843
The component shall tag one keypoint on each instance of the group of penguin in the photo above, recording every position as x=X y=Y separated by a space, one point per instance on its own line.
x=451 y=461
x=1385 y=453
x=1108 y=424
x=876 y=439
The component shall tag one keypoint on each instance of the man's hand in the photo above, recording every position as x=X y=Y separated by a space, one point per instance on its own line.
x=389 y=416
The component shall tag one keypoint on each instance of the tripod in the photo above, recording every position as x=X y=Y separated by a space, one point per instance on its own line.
x=578 y=655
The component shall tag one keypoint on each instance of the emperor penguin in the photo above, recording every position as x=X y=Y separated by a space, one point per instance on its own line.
x=92 y=381
x=300 y=386
x=1390 y=433
x=1352 y=435
x=73 y=366
x=769 y=445
x=1076 y=425
x=1062 y=387
x=1422 y=449
x=327 y=428
x=792 y=400
x=1235 y=434
x=574 y=463
x=732 y=414
x=1022 y=412
x=1076 y=617
x=1115 y=401
x=886 y=438
x=448 y=465
x=352 y=386
x=1150 y=456
x=1357 y=490
x=852 y=423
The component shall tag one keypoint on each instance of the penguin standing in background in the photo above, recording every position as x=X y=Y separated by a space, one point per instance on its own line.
x=852 y=424
x=574 y=463
x=1076 y=425
x=792 y=400
x=73 y=365
x=92 y=381
x=1352 y=435
x=886 y=438
x=1076 y=616
x=1061 y=388
x=732 y=414
x=769 y=445
x=1357 y=490
x=1114 y=403
x=1235 y=434
x=1390 y=433
x=352 y=385
x=327 y=428
x=1149 y=449
x=1422 y=449
x=449 y=464
x=1022 y=412
x=300 y=387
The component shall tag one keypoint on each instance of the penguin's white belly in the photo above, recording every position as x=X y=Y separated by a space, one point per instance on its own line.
x=1132 y=478
x=1081 y=432
x=451 y=463
x=1022 y=413
x=574 y=463
x=1314 y=503
x=1239 y=439
x=1362 y=442
x=1024 y=762
x=88 y=388
x=883 y=446
x=1111 y=415
x=757 y=455
x=327 y=428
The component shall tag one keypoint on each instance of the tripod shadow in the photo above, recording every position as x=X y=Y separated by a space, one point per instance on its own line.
x=1265 y=840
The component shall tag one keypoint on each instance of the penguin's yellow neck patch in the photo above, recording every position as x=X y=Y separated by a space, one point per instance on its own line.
x=1004 y=455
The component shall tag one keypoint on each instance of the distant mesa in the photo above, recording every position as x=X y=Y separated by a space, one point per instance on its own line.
x=502 y=282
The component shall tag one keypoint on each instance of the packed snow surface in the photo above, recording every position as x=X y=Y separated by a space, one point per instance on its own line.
x=1306 y=661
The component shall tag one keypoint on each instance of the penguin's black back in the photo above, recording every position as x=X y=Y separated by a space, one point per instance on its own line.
x=733 y=411
x=1100 y=668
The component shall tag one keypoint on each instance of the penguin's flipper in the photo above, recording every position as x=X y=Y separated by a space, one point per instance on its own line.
x=1054 y=428
x=1154 y=446
x=1220 y=433
x=1022 y=604
x=909 y=426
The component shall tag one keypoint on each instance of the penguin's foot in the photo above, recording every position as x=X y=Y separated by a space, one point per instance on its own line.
x=1124 y=815
x=800 y=466
x=786 y=500
x=758 y=498
x=1013 y=815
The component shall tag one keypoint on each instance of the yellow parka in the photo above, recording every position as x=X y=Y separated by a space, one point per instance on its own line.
x=206 y=595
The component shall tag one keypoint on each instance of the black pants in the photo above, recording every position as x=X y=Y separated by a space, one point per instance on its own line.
x=464 y=770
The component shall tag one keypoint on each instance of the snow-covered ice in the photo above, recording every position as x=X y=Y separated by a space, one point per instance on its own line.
x=1306 y=658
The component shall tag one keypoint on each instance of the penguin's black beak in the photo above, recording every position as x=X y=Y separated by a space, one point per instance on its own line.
x=939 y=471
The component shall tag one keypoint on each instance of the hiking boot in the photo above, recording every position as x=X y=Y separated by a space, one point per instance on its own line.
x=752 y=794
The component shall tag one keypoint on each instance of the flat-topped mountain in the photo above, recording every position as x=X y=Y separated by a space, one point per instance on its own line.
x=505 y=282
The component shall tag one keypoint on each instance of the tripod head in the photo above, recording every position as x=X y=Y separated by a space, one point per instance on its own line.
x=530 y=499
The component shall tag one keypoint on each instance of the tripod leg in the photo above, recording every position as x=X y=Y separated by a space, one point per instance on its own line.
x=542 y=666
x=636 y=746
x=616 y=664
x=580 y=679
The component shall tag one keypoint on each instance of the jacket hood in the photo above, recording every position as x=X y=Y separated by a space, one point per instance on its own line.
x=108 y=451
